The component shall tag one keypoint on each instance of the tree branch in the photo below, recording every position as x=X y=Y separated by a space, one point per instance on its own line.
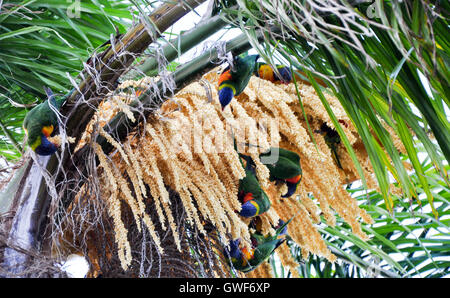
x=181 y=44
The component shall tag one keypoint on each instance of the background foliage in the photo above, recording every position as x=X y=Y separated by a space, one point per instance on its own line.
x=406 y=243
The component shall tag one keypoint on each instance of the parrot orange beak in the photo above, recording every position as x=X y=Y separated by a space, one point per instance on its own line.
x=295 y=179
x=47 y=130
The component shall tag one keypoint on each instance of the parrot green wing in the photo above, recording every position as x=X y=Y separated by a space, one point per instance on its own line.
x=287 y=165
x=284 y=169
x=256 y=68
x=265 y=246
x=264 y=202
x=294 y=157
x=260 y=239
x=250 y=184
x=40 y=116
x=280 y=229
x=242 y=72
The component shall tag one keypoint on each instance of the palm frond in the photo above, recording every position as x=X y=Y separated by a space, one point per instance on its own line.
x=408 y=243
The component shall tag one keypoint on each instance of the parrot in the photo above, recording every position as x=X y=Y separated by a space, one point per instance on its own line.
x=266 y=72
x=332 y=139
x=244 y=259
x=253 y=198
x=286 y=169
x=41 y=122
x=233 y=82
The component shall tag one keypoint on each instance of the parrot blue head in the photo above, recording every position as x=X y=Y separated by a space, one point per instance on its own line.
x=226 y=94
x=292 y=187
x=45 y=147
x=233 y=249
x=249 y=209
x=285 y=74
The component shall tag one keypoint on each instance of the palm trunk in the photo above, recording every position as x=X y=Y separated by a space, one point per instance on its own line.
x=26 y=223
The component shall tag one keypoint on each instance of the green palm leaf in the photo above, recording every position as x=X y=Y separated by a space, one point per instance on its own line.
x=39 y=45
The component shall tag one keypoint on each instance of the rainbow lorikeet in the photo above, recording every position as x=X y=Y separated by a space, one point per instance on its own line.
x=332 y=139
x=266 y=72
x=41 y=122
x=246 y=260
x=286 y=169
x=233 y=81
x=253 y=198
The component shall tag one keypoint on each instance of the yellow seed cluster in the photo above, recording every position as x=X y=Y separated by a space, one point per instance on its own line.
x=58 y=140
x=188 y=147
x=113 y=204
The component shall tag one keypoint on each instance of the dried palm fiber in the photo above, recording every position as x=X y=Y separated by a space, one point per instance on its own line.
x=187 y=146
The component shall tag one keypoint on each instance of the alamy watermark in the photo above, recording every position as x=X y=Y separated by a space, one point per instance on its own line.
x=374 y=269
x=74 y=9
x=372 y=11
x=201 y=133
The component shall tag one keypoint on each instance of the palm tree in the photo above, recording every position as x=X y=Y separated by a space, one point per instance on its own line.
x=381 y=60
